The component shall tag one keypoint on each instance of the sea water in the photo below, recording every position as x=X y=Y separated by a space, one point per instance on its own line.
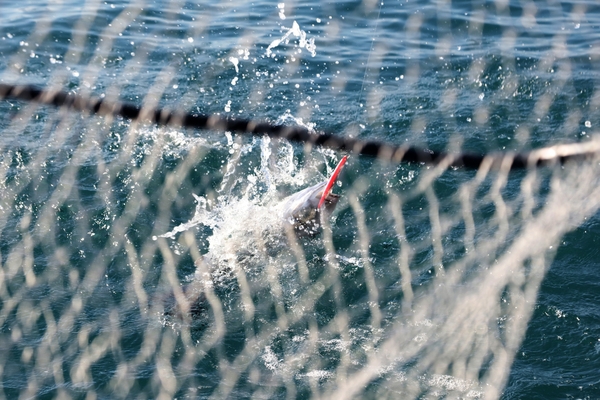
x=344 y=66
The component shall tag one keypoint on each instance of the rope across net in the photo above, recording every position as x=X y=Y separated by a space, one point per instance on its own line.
x=152 y=261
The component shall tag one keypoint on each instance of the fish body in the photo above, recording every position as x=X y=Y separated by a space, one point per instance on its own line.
x=304 y=209
x=301 y=212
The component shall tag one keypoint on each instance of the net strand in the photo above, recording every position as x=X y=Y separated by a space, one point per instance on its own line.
x=422 y=284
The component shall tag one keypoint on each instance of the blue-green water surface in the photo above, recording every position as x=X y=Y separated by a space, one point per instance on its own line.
x=372 y=74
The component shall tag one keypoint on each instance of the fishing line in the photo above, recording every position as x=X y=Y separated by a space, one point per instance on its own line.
x=362 y=85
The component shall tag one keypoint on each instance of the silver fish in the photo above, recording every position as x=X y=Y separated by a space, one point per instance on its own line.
x=303 y=210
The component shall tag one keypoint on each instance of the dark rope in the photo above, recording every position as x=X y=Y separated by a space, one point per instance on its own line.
x=384 y=151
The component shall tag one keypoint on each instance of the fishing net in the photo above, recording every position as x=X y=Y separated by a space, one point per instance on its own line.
x=150 y=261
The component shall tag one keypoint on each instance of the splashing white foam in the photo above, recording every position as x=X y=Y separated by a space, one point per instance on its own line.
x=303 y=42
x=245 y=222
x=236 y=62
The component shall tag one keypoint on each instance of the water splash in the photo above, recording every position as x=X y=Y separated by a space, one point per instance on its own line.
x=303 y=43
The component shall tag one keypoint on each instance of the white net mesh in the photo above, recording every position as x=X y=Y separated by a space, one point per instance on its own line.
x=153 y=262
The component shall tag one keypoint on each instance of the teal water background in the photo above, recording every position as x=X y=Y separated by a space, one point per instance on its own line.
x=363 y=52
